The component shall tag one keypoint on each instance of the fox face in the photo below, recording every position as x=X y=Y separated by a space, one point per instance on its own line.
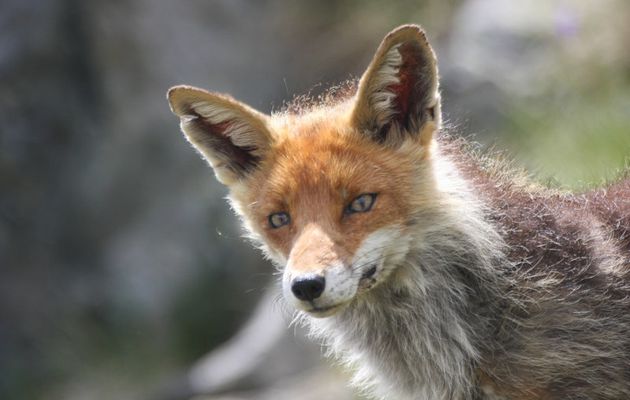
x=331 y=192
x=335 y=211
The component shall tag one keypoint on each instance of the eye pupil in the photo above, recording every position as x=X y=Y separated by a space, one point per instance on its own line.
x=279 y=219
x=363 y=203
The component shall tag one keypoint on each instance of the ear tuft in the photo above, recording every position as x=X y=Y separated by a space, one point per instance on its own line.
x=232 y=137
x=398 y=93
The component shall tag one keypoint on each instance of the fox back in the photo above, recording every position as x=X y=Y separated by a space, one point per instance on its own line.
x=429 y=269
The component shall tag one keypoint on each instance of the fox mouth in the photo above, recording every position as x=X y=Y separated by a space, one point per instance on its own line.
x=366 y=282
x=322 y=312
x=369 y=273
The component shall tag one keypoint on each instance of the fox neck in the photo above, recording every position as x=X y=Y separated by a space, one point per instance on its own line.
x=420 y=334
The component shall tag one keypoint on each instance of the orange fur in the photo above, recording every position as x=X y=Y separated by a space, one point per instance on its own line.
x=314 y=176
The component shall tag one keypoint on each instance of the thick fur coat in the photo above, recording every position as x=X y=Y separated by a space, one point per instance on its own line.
x=432 y=271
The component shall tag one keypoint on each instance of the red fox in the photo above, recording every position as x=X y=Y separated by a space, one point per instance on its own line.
x=429 y=269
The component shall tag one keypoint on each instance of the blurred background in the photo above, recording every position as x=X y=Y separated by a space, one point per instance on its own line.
x=122 y=270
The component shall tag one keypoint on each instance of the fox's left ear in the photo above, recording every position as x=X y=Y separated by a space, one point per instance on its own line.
x=398 y=93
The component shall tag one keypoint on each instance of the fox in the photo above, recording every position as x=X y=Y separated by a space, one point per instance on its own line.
x=429 y=268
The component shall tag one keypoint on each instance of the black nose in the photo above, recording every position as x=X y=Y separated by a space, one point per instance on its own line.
x=308 y=288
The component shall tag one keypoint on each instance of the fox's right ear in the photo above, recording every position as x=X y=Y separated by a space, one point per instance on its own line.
x=231 y=136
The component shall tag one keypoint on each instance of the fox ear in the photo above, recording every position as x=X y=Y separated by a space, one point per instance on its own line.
x=398 y=93
x=231 y=136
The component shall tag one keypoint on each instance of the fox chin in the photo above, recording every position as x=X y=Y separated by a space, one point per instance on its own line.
x=431 y=270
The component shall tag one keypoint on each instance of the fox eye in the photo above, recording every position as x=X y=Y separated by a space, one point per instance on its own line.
x=362 y=203
x=279 y=219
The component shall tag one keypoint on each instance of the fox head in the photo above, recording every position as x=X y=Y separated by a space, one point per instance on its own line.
x=330 y=193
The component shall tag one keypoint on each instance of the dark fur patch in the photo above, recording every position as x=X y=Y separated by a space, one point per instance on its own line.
x=381 y=134
x=239 y=159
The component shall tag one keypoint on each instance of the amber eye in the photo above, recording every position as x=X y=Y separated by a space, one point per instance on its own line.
x=363 y=203
x=279 y=219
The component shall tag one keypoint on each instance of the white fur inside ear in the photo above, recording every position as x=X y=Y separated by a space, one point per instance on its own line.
x=238 y=127
x=380 y=99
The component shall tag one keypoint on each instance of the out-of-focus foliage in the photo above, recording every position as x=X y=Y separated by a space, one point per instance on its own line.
x=552 y=83
x=121 y=263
